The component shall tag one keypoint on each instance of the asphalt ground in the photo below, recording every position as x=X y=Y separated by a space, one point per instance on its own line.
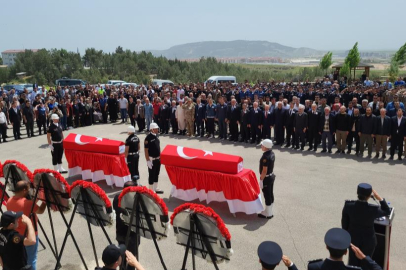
x=310 y=191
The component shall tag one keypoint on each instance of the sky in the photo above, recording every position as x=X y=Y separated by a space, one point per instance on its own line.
x=160 y=24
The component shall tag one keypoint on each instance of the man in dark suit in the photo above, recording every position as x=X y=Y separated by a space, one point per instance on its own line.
x=382 y=132
x=266 y=128
x=233 y=118
x=337 y=242
x=279 y=120
x=358 y=219
x=245 y=123
x=164 y=117
x=290 y=119
x=15 y=119
x=327 y=129
x=313 y=128
x=174 y=121
x=398 y=133
x=353 y=134
x=256 y=121
x=300 y=127
x=200 y=114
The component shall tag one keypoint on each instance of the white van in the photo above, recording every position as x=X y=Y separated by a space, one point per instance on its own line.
x=221 y=79
x=160 y=82
x=114 y=82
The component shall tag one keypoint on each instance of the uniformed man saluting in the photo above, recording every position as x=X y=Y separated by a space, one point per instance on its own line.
x=55 y=142
x=267 y=177
x=152 y=155
x=358 y=219
x=132 y=154
x=337 y=242
x=270 y=255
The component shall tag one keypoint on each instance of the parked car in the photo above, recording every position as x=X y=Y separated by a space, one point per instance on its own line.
x=69 y=82
x=160 y=82
x=126 y=85
x=221 y=79
x=115 y=82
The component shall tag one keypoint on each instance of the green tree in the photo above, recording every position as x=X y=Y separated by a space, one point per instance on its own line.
x=345 y=70
x=326 y=61
x=398 y=59
x=353 y=58
x=1 y=61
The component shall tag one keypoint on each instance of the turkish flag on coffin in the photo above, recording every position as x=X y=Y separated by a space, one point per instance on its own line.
x=180 y=156
x=85 y=143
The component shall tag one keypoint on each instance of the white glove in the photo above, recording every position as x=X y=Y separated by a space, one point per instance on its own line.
x=149 y=164
x=261 y=184
x=51 y=147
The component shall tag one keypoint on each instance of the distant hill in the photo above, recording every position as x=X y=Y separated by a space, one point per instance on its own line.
x=237 y=48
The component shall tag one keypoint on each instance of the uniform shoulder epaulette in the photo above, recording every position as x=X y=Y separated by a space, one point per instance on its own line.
x=315 y=261
x=350 y=267
x=350 y=201
x=373 y=205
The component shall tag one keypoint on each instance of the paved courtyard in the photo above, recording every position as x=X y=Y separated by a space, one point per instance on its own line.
x=310 y=191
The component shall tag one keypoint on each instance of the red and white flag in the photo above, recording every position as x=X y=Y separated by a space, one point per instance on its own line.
x=86 y=143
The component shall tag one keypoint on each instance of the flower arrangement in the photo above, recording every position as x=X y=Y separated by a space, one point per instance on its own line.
x=144 y=190
x=21 y=167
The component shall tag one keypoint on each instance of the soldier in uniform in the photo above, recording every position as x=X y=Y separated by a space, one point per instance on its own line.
x=152 y=155
x=189 y=108
x=132 y=154
x=270 y=255
x=55 y=142
x=337 y=242
x=267 y=177
x=12 y=244
x=358 y=219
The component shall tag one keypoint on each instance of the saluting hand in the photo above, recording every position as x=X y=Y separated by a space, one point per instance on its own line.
x=376 y=195
x=286 y=260
x=358 y=252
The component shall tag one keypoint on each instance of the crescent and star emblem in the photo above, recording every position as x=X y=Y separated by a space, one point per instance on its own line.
x=179 y=149
x=78 y=141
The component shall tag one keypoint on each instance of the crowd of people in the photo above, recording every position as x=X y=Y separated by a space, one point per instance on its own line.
x=326 y=112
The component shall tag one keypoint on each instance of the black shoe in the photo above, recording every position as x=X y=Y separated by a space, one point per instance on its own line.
x=369 y=156
x=288 y=145
x=329 y=151
x=338 y=151
x=310 y=149
x=158 y=191
x=399 y=158
x=4 y=140
x=348 y=152
x=323 y=151
x=376 y=156
x=262 y=216
x=301 y=149
x=384 y=156
x=391 y=157
x=343 y=152
x=315 y=149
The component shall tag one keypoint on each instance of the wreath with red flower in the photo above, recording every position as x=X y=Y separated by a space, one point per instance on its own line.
x=21 y=167
x=144 y=190
x=1 y=170
x=57 y=176
x=207 y=211
x=95 y=188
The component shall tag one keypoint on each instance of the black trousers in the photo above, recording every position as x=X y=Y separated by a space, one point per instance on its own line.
x=290 y=136
x=153 y=174
x=104 y=114
x=174 y=125
x=164 y=125
x=245 y=132
x=234 y=130
x=255 y=134
x=200 y=127
x=210 y=126
x=41 y=122
x=352 y=135
x=30 y=128
x=267 y=189
x=313 y=138
x=132 y=119
x=279 y=134
x=57 y=154
x=266 y=132
x=140 y=123
x=16 y=130
x=300 y=136
x=396 y=142
x=132 y=164
x=3 y=131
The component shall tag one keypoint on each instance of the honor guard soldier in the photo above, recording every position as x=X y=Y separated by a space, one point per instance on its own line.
x=132 y=154
x=337 y=242
x=358 y=219
x=55 y=142
x=270 y=255
x=267 y=177
x=152 y=155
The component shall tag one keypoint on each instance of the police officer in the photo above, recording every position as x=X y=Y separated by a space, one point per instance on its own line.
x=358 y=219
x=267 y=177
x=55 y=142
x=12 y=244
x=132 y=154
x=152 y=155
x=270 y=255
x=337 y=242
